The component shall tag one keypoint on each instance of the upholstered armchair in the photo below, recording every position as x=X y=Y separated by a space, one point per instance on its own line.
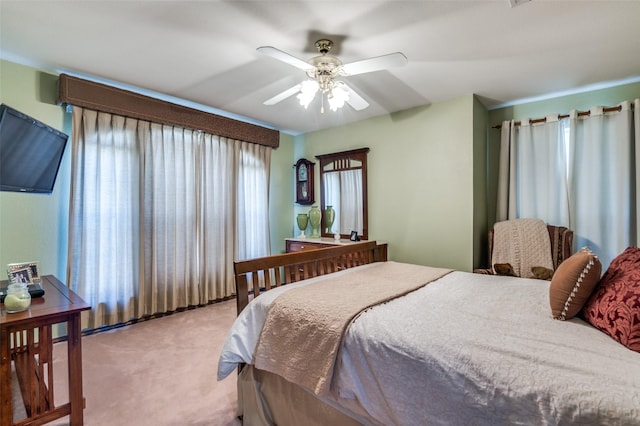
x=561 y=239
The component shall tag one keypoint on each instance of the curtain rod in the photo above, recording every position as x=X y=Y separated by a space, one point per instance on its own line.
x=580 y=114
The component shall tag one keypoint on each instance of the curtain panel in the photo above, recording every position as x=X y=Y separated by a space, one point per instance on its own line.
x=602 y=173
x=533 y=178
x=580 y=172
x=158 y=213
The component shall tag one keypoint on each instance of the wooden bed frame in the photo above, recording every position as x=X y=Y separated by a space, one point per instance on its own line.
x=268 y=272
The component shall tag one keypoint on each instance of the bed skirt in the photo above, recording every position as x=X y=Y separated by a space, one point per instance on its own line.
x=266 y=399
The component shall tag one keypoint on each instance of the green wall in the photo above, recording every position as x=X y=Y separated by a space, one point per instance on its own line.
x=281 y=195
x=420 y=179
x=480 y=175
x=33 y=227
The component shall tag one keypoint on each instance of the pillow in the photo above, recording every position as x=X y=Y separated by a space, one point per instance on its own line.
x=542 y=273
x=614 y=306
x=504 y=269
x=573 y=283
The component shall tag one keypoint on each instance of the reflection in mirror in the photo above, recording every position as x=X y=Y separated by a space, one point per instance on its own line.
x=343 y=186
x=343 y=191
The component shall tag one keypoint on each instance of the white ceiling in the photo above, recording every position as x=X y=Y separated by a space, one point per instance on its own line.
x=204 y=52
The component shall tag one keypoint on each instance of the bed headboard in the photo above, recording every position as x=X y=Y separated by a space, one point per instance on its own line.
x=268 y=272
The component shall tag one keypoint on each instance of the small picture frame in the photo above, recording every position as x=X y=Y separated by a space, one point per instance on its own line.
x=354 y=236
x=26 y=272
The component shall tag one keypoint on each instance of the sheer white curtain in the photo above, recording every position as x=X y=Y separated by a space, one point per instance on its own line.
x=252 y=200
x=169 y=222
x=603 y=179
x=579 y=172
x=533 y=174
x=105 y=209
x=159 y=213
x=234 y=196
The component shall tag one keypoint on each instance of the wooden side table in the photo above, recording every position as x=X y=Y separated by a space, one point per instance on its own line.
x=26 y=339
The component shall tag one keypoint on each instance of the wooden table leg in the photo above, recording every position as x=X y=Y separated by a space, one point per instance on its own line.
x=6 y=408
x=74 y=348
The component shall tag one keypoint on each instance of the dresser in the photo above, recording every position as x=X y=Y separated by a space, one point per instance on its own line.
x=302 y=244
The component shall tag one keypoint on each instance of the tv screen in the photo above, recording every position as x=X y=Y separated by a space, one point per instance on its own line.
x=30 y=152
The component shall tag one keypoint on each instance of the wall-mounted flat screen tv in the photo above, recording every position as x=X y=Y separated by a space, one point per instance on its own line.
x=30 y=153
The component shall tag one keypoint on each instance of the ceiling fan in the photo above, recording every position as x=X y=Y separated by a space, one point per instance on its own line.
x=324 y=72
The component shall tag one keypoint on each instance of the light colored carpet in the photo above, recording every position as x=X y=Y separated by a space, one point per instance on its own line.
x=158 y=372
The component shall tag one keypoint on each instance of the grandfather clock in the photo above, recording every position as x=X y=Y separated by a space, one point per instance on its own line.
x=304 y=182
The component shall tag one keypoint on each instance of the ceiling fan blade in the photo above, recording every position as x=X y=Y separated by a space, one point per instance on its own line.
x=378 y=63
x=285 y=57
x=356 y=101
x=284 y=95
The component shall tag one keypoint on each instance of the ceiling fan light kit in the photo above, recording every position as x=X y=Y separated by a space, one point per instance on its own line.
x=323 y=70
x=308 y=91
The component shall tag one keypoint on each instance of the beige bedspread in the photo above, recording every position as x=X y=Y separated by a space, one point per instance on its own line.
x=305 y=326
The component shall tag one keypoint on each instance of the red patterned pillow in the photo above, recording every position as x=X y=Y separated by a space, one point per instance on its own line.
x=614 y=306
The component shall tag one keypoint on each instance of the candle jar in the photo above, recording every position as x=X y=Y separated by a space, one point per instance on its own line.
x=18 y=298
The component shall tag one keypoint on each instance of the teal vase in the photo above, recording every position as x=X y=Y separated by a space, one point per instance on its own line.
x=314 y=217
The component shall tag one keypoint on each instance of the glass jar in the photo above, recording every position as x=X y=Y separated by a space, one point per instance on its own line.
x=18 y=298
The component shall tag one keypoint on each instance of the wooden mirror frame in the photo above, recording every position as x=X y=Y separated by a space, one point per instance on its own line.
x=340 y=161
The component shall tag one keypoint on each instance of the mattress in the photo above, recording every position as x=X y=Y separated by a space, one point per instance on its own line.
x=467 y=349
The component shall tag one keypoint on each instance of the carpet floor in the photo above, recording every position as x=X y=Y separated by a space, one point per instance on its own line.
x=158 y=372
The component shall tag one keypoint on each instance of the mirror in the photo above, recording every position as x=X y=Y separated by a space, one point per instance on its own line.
x=343 y=186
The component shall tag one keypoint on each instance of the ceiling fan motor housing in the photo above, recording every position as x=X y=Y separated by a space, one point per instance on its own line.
x=325 y=67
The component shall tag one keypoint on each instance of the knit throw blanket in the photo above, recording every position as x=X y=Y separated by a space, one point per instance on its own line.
x=304 y=327
x=523 y=243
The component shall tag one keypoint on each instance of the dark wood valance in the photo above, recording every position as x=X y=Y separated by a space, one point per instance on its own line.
x=100 y=97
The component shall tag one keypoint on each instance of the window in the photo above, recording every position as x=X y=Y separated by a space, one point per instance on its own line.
x=159 y=213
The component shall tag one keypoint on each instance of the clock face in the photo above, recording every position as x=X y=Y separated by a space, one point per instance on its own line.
x=302 y=172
